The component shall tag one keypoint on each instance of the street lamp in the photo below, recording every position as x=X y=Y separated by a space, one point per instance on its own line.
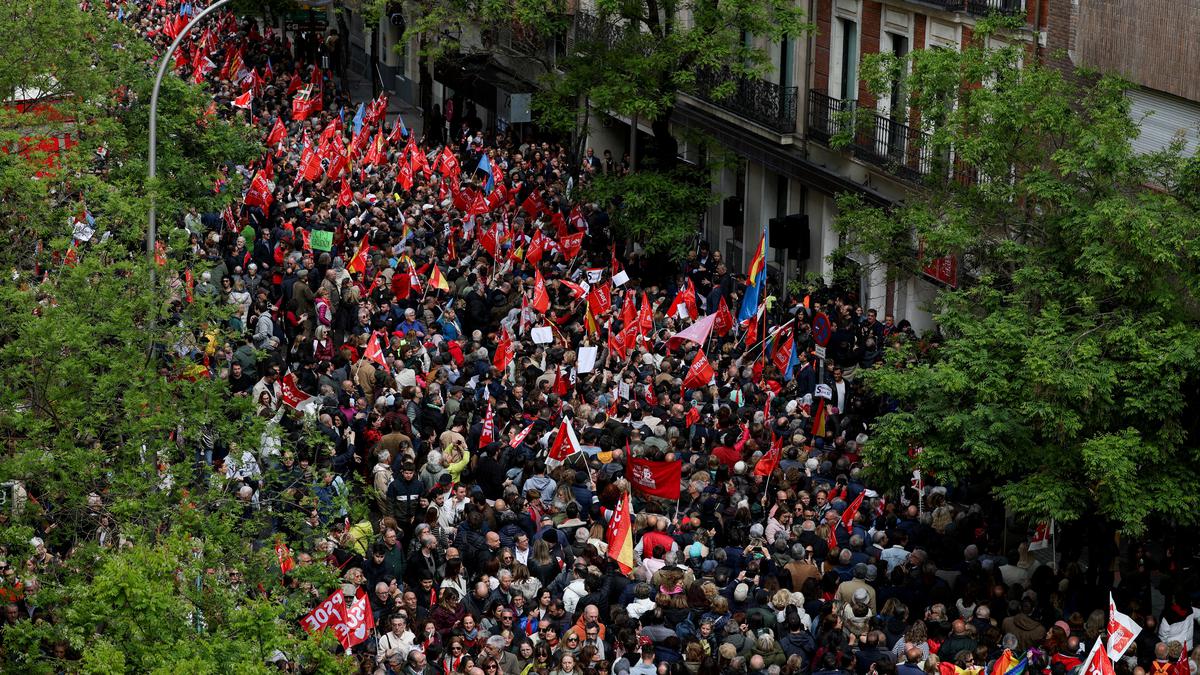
x=151 y=232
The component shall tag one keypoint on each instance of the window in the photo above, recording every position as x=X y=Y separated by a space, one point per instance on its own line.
x=896 y=101
x=849 y=79
x=785 y=61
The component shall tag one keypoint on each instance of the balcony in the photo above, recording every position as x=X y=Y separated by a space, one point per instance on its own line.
x=873 y=138
x=979 y=7
x=759 y=101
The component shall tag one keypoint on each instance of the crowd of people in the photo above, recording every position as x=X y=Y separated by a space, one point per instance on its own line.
x=439 y=306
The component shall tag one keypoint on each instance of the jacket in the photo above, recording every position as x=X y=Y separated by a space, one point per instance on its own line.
x=1028 y=631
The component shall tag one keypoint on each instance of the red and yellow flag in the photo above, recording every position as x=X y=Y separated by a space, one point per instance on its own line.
x=438 y=280
x=620 y=536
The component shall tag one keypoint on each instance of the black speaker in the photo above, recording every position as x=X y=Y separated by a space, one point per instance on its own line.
x=732 y=212
x=791 y=232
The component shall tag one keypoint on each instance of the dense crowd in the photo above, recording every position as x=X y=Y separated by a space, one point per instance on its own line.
x=439 y=306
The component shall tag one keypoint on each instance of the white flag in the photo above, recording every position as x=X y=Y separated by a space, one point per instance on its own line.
x=1122 y=630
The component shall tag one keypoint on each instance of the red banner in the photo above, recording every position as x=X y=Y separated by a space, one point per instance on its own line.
x=331 y=612
x=657 y=479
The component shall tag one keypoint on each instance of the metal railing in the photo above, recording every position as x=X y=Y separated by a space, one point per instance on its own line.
x=893 y=146
x=978 y=7
x=590 y=28
x=754 y=99
x=985 y=7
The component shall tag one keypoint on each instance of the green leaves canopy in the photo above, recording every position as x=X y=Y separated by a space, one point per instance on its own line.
x=1065 y=374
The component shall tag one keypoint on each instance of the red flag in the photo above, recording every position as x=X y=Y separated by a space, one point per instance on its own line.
x=310 y=165
x=487 y=240
x=359 y=262
x=404 y=175
x=533 y=204
x=692 y=417
x=620 y=536
x=600 y=299
x=1098 y=663
x=651 y=397
x=646 y=316
x=448 y=163
x=615 y=345
x=303 y=107
x=190 y=283
x=290 y=392
x=851 y=511
x=377 y=155
x=832 y=542
x=699 y=373
x=657 y=479
x=295 y=84
x=1122 y=630
x=259 y=193
x=783 y=350
x=565 y=444
x=375 y=353
x=278 y=133
x=571 y=244
x=286 y=562
x=560 y=382
x=769 y=461
x=346 y=195
x=541 y=299
x=488 y=433
x=537 y=245
x=520 y=438
x=724 y=322
x=244 y=100
x=359 y=623
x=330 y=613
x=504 y=352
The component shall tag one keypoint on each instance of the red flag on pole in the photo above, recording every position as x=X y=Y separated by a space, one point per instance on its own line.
x=359 y=262
x=700 y=373
x=724 y=322
x=504 y=352
x=244 y=100
x=851 y=511
x=565 y=444
x=620 y=536
x=520 y=438
x=655 y=478
x=375 y=353
x=290 y=392
x=541 y=299
x=766 y=465
x=488 y=433
x=331 y=612
x=360 y=622
x=346 y=195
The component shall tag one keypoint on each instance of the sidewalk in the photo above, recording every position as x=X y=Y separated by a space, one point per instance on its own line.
x=360 y=92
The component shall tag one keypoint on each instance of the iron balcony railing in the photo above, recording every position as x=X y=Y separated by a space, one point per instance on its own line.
x=979 y=7
x=894 y=146
x=754 y=99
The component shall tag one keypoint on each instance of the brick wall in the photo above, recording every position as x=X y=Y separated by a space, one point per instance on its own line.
x=1155 y=43
x=872 y=17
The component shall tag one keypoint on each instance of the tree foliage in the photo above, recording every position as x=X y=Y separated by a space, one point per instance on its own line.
x=658 y=210
x=104 y=400
x=1065 y=373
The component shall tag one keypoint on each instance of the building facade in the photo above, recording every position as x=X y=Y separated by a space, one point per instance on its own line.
x=772 y=139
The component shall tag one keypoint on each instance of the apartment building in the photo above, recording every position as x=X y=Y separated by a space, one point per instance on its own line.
x=773 y=136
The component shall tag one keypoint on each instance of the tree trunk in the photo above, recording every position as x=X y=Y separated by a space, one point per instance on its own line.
x=666 y=148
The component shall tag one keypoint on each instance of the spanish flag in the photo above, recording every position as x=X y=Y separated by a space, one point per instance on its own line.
x=436 y=280
x=818 y=423
x=359 y=262
x=620 y=536
x=589 y=322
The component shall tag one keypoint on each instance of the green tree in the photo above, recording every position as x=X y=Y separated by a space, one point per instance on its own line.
x=104 y=399
x=1065 y=373
x=659 y=210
